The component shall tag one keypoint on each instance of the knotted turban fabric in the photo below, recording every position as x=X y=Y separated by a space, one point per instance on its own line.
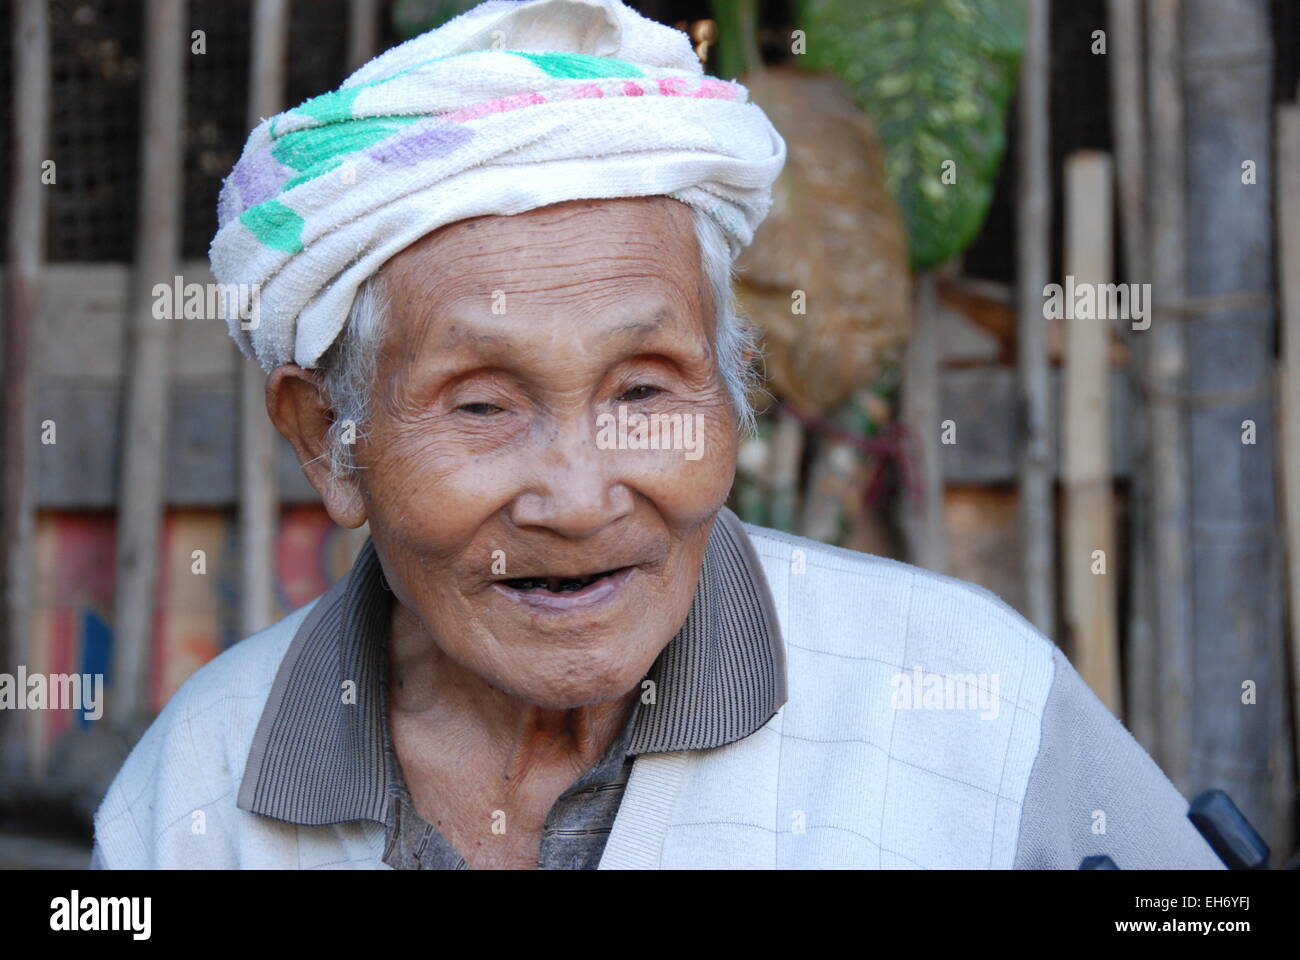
x=508 y=107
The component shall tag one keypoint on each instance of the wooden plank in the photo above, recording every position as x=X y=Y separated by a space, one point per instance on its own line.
x=1090 y=556
x=922 y=519
x=982 y=401
x=26 y=251
x=81 y=318
x=963 y=342
x=156 y=254
x=77 y=361
x=1288 y=262
x=259 y=510
x=1033 y=249
x=80 y=471
x=78 y=369
x=981 y=525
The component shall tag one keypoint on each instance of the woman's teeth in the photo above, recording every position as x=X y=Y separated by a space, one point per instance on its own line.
x=565 y=595
x=556 y=584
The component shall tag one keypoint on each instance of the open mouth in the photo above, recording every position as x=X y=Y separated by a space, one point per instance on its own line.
x=559 y=585
x=569 y=594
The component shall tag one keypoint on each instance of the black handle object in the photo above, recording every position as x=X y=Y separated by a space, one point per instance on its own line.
x=1228 y=831
x=1098 y=861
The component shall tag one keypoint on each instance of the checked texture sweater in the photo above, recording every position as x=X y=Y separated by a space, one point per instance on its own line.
x=927 y=725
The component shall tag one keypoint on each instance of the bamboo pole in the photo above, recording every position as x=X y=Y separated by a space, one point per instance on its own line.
x=1128 y=121
x=1165 y=363
x=1033 y=246
x=785 y=455
x=1241 y=738
x=26 y=251
x=1090 y=555
x=258 y=501
x=1129 y=125
x=363 y=31
x=1288 y=205
x=923 y=521
x=140 y=510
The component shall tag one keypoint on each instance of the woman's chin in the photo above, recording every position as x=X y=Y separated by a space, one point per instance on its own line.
x=567 y=688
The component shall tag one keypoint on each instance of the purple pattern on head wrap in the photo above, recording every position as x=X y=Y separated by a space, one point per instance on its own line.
x=435 y=142
x=258 y=177
x=227 y=204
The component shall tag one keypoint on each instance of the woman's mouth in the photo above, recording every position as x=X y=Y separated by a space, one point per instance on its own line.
x=566 y=593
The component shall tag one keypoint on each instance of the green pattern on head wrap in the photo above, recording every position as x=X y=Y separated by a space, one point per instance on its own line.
x=337 y=105
x=275 y=225
x=337 y=133
x=331 y=107
x=580 y=65
x=318 y=150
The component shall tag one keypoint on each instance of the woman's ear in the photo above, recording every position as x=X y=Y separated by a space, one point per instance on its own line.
x=300 y=409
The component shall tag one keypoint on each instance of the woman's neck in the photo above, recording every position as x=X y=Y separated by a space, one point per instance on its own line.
x=505 y=734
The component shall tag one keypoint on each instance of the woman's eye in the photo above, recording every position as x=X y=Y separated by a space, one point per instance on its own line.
x=642 y=391
x=479 y=409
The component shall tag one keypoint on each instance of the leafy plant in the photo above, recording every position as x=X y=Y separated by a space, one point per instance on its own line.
x=736 y=52
x=936 y=77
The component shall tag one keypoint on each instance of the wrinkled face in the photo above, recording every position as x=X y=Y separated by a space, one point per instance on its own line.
x=542 y=546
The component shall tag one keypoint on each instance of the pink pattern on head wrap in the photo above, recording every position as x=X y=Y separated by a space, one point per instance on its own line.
x=583 y=92
x=717 y=90
x=500 y=105
x=438 y=129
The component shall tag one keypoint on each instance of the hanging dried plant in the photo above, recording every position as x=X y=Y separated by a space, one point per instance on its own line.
x=827 y=277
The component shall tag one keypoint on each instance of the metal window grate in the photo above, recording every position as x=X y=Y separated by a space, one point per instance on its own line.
x=95 y=91
x=217 y=94
x=97 y=88
x=216 y=97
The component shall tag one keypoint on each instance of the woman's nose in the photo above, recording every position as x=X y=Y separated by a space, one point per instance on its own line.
x=578 y=489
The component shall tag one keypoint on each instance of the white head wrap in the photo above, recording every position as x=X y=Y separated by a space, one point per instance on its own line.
x=509 y=107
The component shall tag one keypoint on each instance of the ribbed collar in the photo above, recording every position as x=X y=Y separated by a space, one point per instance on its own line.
x=318 y=754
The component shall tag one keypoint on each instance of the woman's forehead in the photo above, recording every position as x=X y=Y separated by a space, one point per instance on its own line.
x=558 y=236
x=592 y=267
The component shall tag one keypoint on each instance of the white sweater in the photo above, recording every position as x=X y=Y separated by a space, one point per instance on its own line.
x=928 y=726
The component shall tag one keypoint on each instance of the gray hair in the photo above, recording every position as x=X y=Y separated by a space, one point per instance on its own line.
x=348 y=368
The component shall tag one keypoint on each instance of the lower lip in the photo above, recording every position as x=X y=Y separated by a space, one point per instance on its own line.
x=603 y=591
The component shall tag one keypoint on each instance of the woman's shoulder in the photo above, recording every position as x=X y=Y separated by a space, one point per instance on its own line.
x=244 y=666
x=909 y=597
x=189 y=761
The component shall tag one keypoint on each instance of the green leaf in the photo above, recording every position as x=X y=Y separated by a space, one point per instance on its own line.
x=936 y=77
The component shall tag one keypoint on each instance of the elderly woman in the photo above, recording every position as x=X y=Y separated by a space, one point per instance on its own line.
x=485 y=266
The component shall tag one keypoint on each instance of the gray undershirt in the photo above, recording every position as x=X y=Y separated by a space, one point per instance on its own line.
x=575 y=830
